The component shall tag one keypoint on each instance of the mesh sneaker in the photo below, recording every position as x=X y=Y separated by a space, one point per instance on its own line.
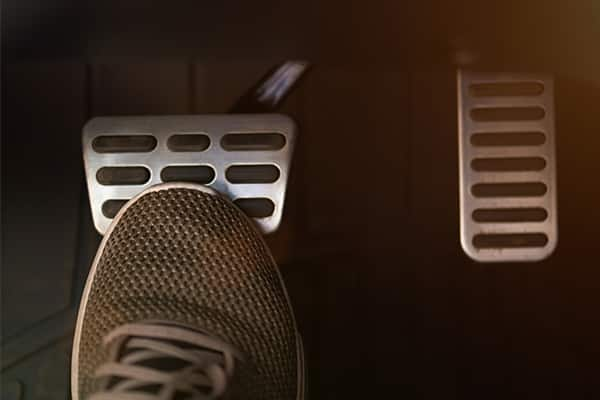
x=184 y=300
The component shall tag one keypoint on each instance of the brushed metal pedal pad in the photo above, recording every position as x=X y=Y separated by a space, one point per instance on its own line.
x=507 y=166
x=245 y=157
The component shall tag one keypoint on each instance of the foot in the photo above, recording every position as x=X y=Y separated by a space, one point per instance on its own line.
x=184 y=300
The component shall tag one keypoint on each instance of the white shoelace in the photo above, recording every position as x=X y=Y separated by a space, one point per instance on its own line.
x=208 y=365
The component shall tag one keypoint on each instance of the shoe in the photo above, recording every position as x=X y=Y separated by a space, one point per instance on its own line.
x=183 y=300
x=165 y=360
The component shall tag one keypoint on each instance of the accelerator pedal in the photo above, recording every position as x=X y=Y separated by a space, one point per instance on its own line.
x=245 y=157
x=507 y=166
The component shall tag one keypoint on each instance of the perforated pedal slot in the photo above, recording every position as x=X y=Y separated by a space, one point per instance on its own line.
x=507 y=166
x=245 y=157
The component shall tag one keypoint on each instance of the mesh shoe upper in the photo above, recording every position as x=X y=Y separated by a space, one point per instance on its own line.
x=183 y=255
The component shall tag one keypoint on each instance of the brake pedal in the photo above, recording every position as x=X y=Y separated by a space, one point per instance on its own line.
x=507 y=166
x=245 y=157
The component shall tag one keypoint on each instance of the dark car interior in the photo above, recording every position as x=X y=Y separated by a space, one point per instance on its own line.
x=386 y=298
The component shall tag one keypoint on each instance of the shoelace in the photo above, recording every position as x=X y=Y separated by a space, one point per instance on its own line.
x=206 y=366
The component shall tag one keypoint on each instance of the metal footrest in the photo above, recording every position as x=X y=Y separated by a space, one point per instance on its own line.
x=245 y=157
x=507 y=166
